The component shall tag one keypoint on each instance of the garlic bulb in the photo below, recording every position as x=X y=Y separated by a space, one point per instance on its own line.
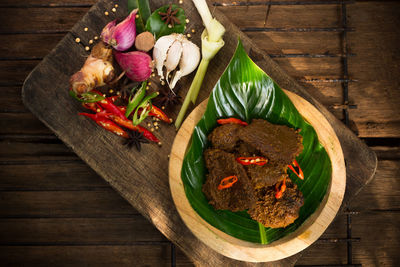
x=173 y=50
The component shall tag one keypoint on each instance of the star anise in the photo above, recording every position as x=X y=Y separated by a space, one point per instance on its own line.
x=135 y=139
x=166 y=98
x=169 y=16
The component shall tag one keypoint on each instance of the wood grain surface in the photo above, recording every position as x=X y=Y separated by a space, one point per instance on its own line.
x=294 y=242
x=149 y=195
x=68 y=195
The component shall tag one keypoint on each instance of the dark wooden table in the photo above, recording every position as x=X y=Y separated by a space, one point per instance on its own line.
x=54 y=210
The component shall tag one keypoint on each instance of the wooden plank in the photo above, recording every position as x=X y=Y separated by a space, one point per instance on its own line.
x=297 y=42
x=379 y=247
x=11 y=100
x=14 y=72
x=17 y=20
x=25 y=123
x=154 y=189
x=295 y=16
x=328 y=254
x=74 y=175
x=383 y=192
x=21 y=46
x=54 y=204
x=311 y=68
x=139 y=255
x=376 y=67
x=28 y=3
x=15 y=151
x=387 y=153
x=377 y=108
x=78 y=231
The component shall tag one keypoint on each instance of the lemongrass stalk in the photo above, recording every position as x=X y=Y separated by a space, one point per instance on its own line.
x=194 y=89
x=211 y=43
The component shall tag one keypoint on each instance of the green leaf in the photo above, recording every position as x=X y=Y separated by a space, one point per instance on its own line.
x=158 y=27
x=143 y=12
x=244 y=91
x=88 y=97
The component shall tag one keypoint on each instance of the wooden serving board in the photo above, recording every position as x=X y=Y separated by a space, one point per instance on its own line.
x=135 y=175
x=291 y=244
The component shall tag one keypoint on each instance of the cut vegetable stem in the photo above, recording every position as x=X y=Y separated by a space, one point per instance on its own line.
x=198 y=79
x=193 y=91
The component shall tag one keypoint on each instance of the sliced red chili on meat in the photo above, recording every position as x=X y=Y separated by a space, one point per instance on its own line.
x=252 y=160
x=280 y=188
x=299 y=173
x=227 y=182
x=231 y=120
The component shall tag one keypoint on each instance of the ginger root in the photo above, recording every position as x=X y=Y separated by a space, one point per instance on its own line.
x=97 y=70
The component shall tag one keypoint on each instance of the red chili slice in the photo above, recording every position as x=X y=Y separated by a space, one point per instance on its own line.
x=231 y=120
x=252 y=160
x=300 y=173
x=227 y=182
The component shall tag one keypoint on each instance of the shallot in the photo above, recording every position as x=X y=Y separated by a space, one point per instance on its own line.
x=137 y=65
x=120 y=36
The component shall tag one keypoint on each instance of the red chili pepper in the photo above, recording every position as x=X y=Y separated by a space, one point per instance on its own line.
x=122 y=108
x=91 y=106
x=107 y=124
x=109 y=106
x=129 y=125
x=158 y=113
x=113 y=98
x=280 y=189
x=227 y=182
x=252 y=160
x=300 y=172
x=231 y=120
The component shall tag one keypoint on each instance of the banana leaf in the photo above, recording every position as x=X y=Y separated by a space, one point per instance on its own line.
x=246 y=92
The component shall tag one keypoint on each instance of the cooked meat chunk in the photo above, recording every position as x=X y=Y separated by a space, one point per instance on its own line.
x=225 y=136
x=277 y=213
x=279 y=143
x=222 y=164
x=245 y=150
x=266 y=175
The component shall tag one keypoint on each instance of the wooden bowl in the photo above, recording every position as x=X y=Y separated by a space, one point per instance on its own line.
x=289 y=245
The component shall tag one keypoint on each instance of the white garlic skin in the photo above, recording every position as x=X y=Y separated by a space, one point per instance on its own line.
x=160 y=52
x=173 y=57
x=189 y=61
x=173 y=50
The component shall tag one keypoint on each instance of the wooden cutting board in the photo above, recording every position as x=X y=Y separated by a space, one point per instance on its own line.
x=134 y=175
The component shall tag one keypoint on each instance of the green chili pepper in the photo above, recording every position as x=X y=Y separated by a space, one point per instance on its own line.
x=89 y=97
x=146 y=107
x=135 y=100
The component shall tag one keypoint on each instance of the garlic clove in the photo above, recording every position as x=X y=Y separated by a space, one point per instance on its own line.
x=189 y=61
x=173 y=57
x=160 y=52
